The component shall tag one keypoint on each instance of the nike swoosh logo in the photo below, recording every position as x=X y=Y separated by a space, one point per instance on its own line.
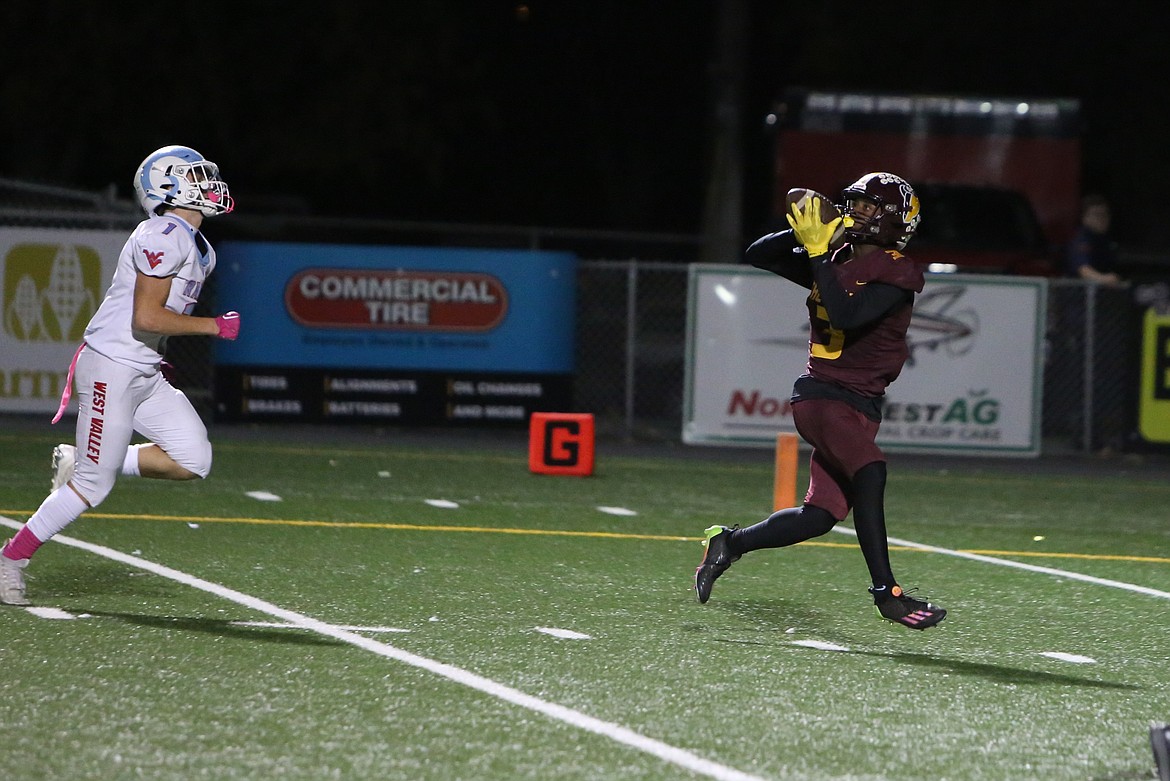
x=859 y=283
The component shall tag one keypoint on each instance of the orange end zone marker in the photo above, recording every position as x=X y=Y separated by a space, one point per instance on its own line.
x=784 y=490
x=560 y=443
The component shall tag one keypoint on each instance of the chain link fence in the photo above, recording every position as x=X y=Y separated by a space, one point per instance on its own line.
x=1092 y=362
x=632 y=315
x=1093 y=367
x=632 y=340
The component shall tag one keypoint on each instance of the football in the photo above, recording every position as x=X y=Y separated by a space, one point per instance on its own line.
x=829 y=212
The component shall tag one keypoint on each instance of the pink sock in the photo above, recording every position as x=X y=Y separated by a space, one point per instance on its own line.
x=59 y=509
x=22 y=546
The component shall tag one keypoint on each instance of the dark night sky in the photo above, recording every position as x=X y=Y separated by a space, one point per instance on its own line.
x=585 y=114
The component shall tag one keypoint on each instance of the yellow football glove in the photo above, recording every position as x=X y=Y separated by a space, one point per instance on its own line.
x=813 y=235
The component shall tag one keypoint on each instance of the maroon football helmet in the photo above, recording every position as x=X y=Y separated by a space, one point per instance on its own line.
x=897 y=214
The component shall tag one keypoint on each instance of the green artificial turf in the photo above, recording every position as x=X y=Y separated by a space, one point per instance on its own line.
x=785 y=674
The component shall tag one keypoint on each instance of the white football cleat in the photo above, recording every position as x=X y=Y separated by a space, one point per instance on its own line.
x=12 y=581
x=64 y=457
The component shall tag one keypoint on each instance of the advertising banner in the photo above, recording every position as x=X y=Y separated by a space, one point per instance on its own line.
x=972 y=384
x=409 y=334
x=52 y=283
x=1154 y=405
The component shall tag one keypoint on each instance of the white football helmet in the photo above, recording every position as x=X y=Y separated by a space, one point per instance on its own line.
x=180 y=176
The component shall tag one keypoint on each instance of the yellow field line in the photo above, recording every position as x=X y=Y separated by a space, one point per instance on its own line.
x=1086 y=556
x=567 y=533
x=369 y=525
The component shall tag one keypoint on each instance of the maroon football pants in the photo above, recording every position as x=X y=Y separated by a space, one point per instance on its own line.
x=843 y=442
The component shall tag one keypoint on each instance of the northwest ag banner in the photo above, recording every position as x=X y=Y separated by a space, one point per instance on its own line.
x=53 y=281
x=972 y=384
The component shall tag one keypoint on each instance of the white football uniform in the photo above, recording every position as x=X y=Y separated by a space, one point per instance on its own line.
x=117 y=380
x=116 y=372
x=159 y=247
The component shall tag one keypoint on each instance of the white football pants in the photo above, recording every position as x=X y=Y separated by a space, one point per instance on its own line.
x=114 y=401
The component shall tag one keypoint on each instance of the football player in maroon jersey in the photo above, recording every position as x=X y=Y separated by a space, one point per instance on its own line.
x=861 y=295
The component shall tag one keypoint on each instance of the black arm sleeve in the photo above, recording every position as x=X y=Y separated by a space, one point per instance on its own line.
x=777 y=253
x=866 y=305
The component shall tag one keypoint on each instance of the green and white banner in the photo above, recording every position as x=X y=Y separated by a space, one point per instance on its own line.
x=972 y=384
x=53 y=281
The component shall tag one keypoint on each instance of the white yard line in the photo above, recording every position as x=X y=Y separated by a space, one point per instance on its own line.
x=1060 y=573
x=615 y=732
x=280 y=625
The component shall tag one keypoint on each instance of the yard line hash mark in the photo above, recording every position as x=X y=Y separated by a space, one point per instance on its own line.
x=1061 y=656
x=615 y=732
x=52 y=613
x=566 y=634
x=820 y=645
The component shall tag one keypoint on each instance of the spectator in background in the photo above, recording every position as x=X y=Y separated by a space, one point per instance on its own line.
x=1092 y=254
x=1091 y=257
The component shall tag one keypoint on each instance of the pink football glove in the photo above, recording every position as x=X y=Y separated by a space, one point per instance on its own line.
x=228 y=324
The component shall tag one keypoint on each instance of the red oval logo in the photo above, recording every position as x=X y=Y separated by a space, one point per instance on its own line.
x=396 y=300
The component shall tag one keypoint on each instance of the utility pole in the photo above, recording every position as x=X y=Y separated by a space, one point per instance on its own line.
x=723 y=209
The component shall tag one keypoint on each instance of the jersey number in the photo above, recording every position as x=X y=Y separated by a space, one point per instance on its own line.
x=831 y=350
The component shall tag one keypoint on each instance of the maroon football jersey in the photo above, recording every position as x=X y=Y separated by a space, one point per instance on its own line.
x=868 y=358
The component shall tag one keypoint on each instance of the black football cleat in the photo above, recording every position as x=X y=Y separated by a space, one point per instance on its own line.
x=716 y=559
x=894 y=605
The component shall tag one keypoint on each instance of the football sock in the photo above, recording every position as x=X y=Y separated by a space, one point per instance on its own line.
x=60 y=508
x=782 y=528
x=869 y=520
x=23 y=545
x=130 y=465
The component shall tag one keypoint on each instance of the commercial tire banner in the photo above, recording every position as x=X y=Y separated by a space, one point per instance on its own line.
x=51 y=283
x=417 y=335
x=971 y=386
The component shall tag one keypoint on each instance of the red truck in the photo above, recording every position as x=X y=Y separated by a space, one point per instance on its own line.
x=999 y=179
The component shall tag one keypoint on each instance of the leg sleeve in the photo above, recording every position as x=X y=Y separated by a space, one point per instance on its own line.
x=782 y=528
x=869 y=520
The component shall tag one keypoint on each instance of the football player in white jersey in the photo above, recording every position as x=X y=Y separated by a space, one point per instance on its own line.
x=117 y=370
